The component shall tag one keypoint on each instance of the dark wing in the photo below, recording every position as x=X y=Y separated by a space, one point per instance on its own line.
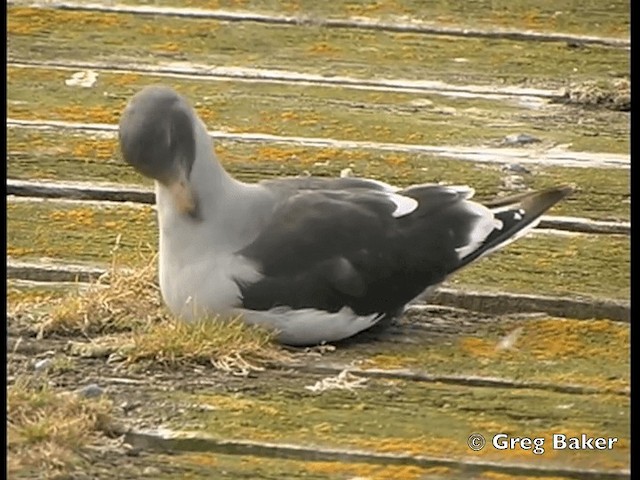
x=327 y=249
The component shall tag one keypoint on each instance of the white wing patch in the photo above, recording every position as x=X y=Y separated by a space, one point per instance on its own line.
x=519 y=234
x=404 y=205
x=485 y=224
x=309 y=326
x=518 y=215
x=383 y=185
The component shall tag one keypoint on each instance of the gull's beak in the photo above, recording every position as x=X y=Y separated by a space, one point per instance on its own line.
x=184 y=197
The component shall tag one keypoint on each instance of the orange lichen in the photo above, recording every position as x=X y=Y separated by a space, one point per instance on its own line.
x=289 y=115
x=96 y=149
x=30 y=20
x=162 y=30
x=366 y=8
x=478 y=347
x=507 y=476
x=25 y=21
x=125 y=79
x=324 y=48
x=84 y=113
x=74 y=217
x=166 y=47
x=395 y=160
x=14 y=251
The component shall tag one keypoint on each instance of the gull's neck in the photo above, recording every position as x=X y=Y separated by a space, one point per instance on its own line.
x=222 y=200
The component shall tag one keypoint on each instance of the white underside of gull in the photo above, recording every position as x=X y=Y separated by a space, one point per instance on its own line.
x=310 y=326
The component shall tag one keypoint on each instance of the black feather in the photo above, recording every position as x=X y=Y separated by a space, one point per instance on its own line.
x=327 y=249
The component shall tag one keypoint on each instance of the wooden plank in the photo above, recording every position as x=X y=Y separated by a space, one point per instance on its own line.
x=540 y=23
x=72 y=35
x=33 y=190
x=391 y=413
x=182 y=441
x=447 y=346
x=526 y=95
x=448 y=126
x=63 y=155
x=590 y=265
x=351 y=23
x=397 y=418
x=503 y=302
x=548 y=157
x=383 y=354
x=53 y=273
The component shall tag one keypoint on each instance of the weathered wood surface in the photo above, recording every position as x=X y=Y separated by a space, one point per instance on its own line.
x=391 y=90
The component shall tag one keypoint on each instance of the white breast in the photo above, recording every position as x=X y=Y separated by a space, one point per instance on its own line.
x=205 y=287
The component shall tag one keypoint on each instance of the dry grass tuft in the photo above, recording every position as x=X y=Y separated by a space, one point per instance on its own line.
x=230 y=346
x=120 y=300
x=122 y=313
x=47 y=429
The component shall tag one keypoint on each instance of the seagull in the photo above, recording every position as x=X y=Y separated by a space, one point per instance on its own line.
x=313 y=259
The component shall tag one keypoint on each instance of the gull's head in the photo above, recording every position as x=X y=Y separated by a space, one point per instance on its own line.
x=158 y=138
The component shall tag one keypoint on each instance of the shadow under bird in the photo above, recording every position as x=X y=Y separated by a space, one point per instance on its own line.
x=315 y=259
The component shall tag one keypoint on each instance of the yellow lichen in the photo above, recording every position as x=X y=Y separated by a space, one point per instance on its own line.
x=557 y=338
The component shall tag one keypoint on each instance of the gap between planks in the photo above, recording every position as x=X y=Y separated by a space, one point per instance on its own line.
x=556 y=156
x=176 y=441
x=186 y=70
x=362 y=23
x=487 y=302
x=97 y=193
